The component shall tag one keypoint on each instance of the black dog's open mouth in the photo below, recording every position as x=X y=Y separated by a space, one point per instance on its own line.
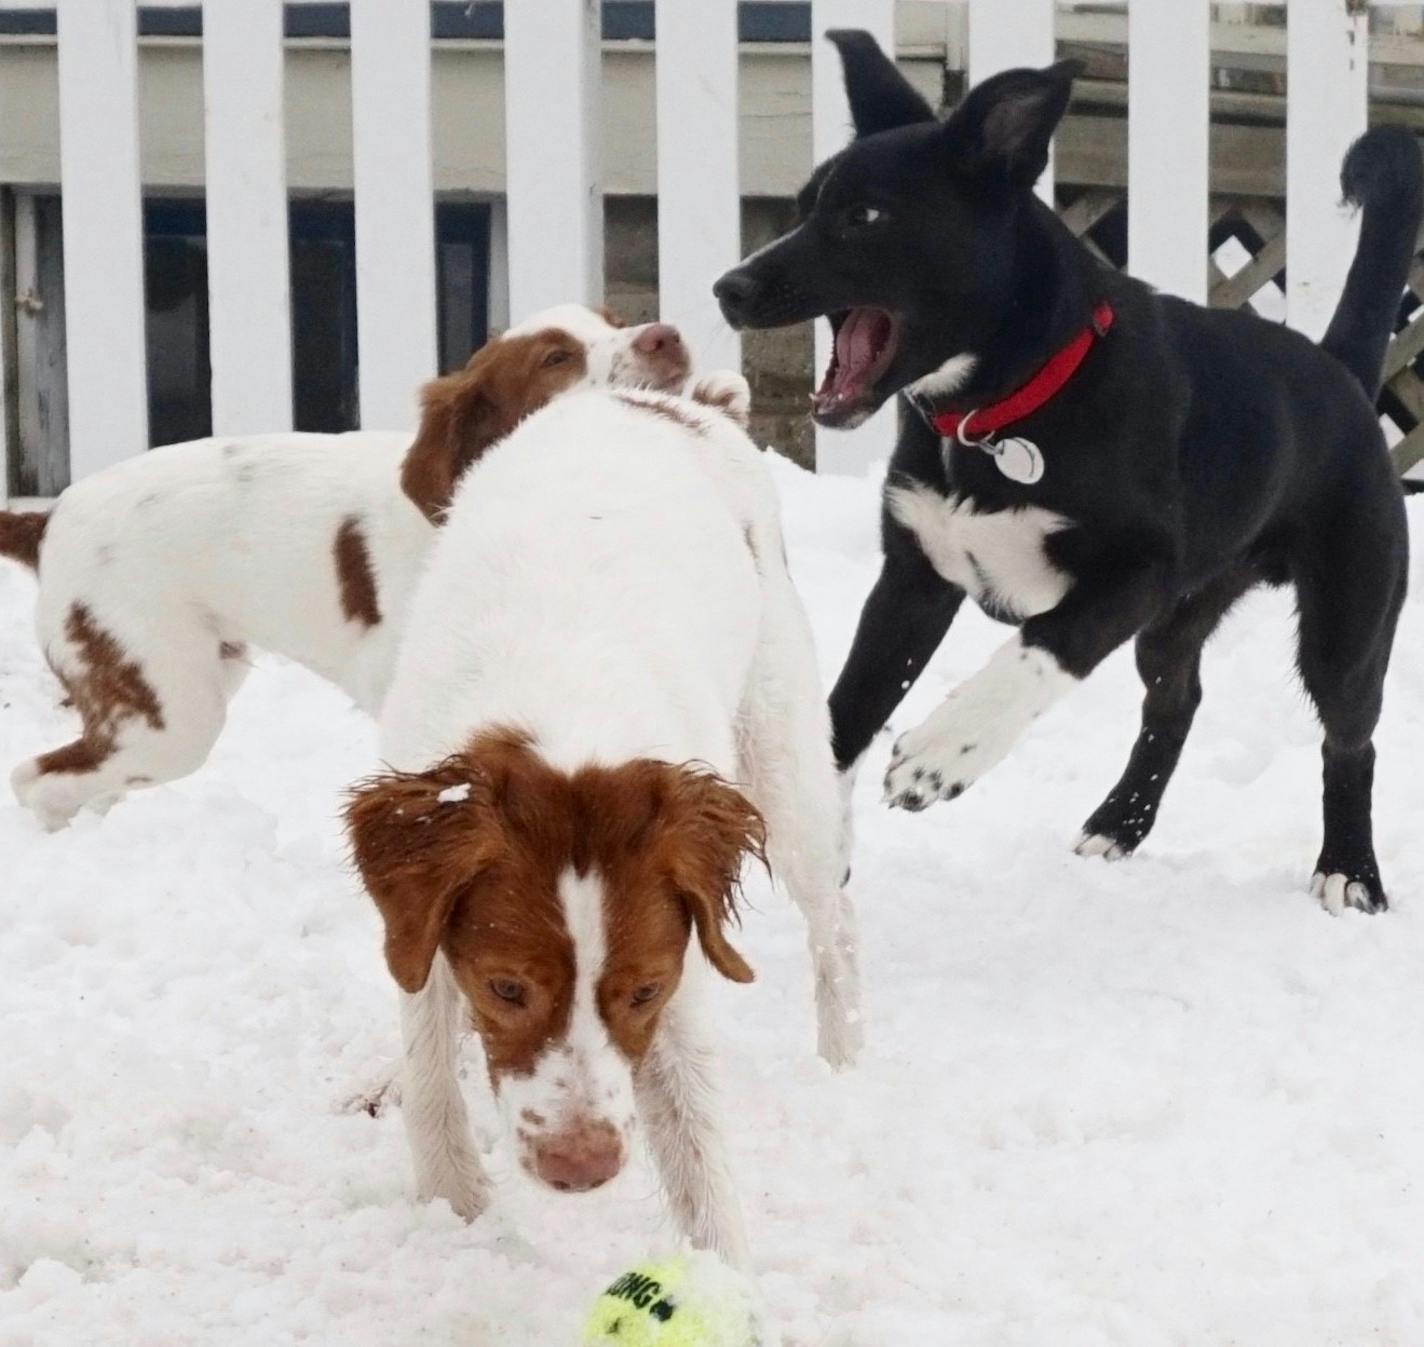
x=864 y=344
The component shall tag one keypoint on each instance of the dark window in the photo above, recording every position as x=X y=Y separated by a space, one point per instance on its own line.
x=325 y=374
x=175 y=262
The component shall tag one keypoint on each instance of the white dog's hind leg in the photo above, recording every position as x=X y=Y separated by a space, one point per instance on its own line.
x=784 y=741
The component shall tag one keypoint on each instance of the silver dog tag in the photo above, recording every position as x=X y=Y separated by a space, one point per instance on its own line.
x=1020 y=460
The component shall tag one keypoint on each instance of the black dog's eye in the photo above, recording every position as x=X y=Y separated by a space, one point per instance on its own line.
x=864 y=217
x=557 y=358
x=507 y=989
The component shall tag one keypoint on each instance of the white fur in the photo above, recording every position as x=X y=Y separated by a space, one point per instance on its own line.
x=1095 y=844
x=997 y=557
x=975 y=726
x=614 y=583
x=582 y=1078
x=1335 y=892
x=949 y=378
x=230 y=539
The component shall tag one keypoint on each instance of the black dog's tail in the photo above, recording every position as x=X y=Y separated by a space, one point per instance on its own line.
x=1383 y=174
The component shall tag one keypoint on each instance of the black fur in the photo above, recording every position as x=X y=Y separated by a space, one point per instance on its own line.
x=1196 y=452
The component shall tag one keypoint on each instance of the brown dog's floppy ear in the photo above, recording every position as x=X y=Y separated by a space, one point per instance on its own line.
x=880 y=97
x=418 y=839
x=711 y=827
x=457 y=424
x=1002 y=129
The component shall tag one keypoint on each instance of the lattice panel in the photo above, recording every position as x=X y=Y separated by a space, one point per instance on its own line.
x=1246 y=262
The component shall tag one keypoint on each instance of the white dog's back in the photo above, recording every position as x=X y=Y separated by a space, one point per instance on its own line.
x=594 y=585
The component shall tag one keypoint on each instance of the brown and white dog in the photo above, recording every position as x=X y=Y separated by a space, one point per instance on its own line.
x=605 y=639
x=158 y=575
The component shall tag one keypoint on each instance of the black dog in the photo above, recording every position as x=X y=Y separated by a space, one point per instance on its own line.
x=1095 y=461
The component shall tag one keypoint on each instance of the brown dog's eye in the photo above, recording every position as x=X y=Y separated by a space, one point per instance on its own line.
x=557 y=358
x=646 y=993
x=507 y=989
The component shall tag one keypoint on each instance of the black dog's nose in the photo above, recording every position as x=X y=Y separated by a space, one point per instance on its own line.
x=735 y=293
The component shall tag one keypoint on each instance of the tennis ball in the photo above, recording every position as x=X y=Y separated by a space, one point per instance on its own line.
x=692 y=1301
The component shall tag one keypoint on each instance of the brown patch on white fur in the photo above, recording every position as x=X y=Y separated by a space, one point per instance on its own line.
x=466 y=412
x=20 y=536
x=729 y=399
x=476 y=874
x=610 y=316
x=105 y=688
x=667 y=408
x=354 y=576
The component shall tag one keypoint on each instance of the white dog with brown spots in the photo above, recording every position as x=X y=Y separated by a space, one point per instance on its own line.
x=605 y=640
x=158 y=575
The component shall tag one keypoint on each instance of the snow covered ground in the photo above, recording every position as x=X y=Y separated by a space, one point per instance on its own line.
x=1158 y=1103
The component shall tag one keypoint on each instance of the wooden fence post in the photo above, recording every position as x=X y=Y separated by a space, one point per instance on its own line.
x=103 y=232
x=552 y=63
x=1327 y=83
x=846 y=451
x=1008 y=33
x=249 y=295
x=699 y=230
x=395 y=207
x=1168 y=144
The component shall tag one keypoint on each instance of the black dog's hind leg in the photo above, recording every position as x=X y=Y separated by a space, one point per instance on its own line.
x=1169 y=661
x=1349 y=605
x=901 y=626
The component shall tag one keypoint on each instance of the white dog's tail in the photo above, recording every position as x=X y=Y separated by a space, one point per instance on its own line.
x=20 y=536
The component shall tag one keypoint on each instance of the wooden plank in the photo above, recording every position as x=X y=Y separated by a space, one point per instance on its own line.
x=249 y=294
x=845 y=451
x=103 y=233
x=395 y=208
x=1168 y=194
x=1405 y=348
x=1327 y=48
x=1409 y=451
x=551 y=100
x=1088 y=210
x=1235 y=290
x=699 y=201
x=1002 y=36
x=497 y=295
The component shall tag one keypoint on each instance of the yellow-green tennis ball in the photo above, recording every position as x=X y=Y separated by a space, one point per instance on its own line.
x=693 y=1301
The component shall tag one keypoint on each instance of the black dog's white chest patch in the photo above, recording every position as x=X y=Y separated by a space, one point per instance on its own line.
x=996 y=556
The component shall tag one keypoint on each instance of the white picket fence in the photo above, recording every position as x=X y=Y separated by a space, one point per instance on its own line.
x=553 y=226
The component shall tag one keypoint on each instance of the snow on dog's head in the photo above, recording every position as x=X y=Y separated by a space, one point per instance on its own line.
x=564 y=903
x=562 y=348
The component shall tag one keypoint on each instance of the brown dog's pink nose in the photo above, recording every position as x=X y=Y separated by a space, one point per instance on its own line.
x=659 y=340
x=581 y=1158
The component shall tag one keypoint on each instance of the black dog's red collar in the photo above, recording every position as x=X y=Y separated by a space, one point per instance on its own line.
x=1031 y=396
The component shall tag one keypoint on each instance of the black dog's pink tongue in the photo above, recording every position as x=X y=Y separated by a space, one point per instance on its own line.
x=860 y=341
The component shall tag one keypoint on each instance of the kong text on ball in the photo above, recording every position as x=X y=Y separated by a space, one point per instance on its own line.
x=692 y=1301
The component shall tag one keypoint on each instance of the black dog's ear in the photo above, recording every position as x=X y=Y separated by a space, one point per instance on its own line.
x=1002 y=128
x=881 y=98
